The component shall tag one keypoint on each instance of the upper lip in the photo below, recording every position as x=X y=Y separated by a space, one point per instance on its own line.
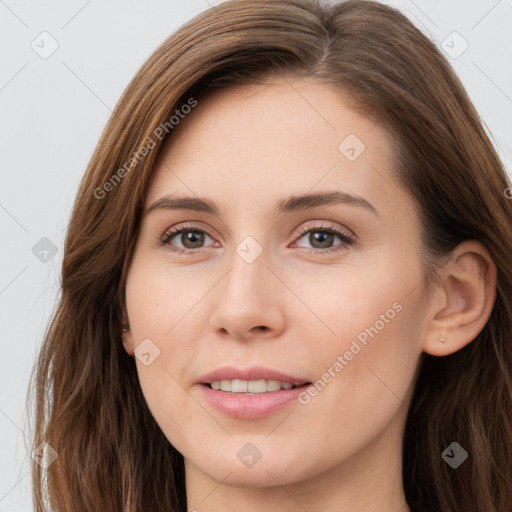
x=253 y=373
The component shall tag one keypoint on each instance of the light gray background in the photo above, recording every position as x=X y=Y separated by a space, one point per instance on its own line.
x=54 y=109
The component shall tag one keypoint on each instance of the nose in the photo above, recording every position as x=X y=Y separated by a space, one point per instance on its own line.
x=249 y=301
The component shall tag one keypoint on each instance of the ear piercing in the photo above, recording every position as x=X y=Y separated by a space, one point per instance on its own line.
x=442 y=340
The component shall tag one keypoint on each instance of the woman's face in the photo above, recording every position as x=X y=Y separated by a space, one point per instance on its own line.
x=262 y=279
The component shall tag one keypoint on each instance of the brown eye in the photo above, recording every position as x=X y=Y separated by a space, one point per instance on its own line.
x=322 y=238
x=192 y=239
x=185 y=238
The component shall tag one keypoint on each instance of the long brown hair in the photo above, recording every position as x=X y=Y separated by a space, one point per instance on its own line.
x=89 y=406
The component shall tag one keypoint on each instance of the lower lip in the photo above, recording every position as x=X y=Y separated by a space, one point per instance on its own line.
x=243 y=406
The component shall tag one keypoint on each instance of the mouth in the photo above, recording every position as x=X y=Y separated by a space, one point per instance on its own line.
x=253 y=387
x=254 y=380
x=253 y=399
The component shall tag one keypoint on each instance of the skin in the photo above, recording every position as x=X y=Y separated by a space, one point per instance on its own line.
x=246 y=148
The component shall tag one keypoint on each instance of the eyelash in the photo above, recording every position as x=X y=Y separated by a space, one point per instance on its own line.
x=346 y=239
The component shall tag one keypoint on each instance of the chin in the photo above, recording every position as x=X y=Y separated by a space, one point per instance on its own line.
x=260 y=476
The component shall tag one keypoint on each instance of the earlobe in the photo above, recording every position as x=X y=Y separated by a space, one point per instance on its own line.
x=128 y=341
x=463 y=301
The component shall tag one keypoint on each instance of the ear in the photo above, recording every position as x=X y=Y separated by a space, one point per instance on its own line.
x=127 y=339
x=462 y=301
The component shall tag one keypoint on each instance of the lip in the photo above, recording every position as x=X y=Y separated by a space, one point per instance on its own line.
x=253 y=373
x=243 y=406
x=254 y=406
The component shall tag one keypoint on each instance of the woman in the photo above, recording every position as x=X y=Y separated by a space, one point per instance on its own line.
x=333 y=332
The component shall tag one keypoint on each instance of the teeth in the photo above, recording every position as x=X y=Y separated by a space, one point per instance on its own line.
x=251 y=386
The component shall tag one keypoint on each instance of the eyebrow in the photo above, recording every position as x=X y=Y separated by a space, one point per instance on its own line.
x=289 y=204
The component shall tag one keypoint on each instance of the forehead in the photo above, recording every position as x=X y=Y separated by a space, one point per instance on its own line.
x=276 y=139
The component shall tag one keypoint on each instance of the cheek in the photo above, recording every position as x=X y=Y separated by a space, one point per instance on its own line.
x=161 y=300
x=366 y=334
x=164 y=313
